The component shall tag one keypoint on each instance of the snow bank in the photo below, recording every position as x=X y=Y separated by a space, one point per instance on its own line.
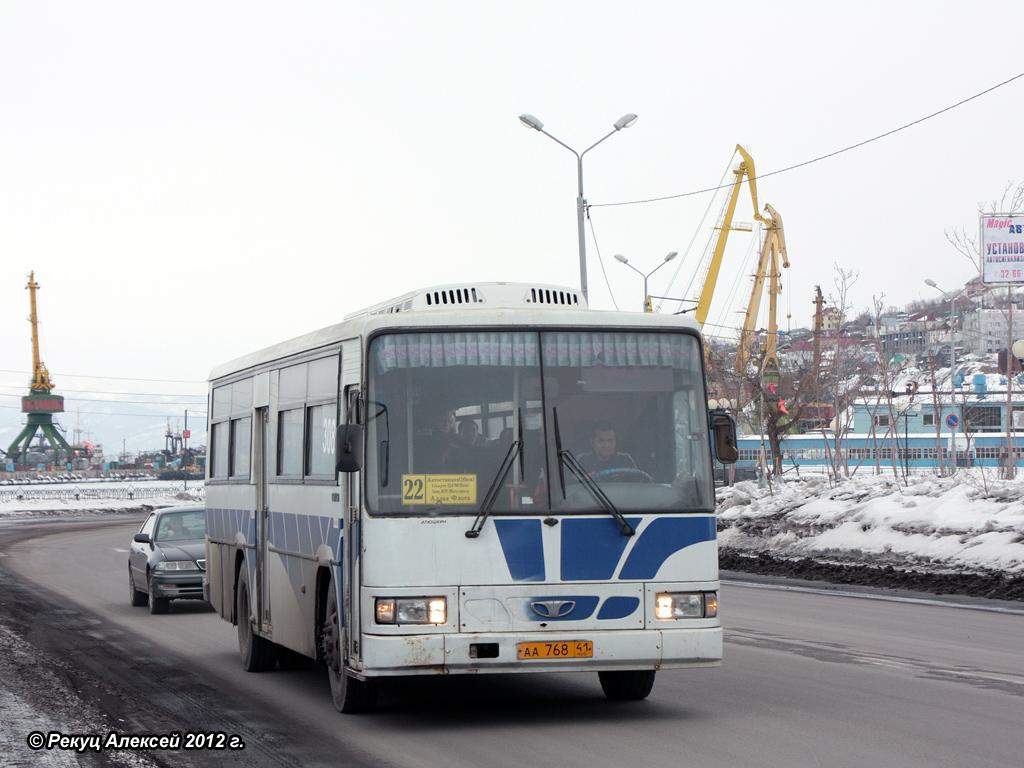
x=961 y=523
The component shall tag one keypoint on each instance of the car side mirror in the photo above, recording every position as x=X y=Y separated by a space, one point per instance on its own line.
x=142 y=538
x=348 y=453
x=724 y=430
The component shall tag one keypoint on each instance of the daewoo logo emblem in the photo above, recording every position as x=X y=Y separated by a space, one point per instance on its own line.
x=553 y=609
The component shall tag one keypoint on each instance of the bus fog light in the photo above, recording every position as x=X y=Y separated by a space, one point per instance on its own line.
x=412 y=610
x=679 y=605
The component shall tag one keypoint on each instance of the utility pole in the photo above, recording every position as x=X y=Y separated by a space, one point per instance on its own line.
x=818 y=323
x=1010 y=465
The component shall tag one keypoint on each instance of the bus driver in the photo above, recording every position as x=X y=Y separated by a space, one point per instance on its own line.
x=602 y=453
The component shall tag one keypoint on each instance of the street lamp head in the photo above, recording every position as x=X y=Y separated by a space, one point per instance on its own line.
x=671 y=256
x=928 y=280
x=623 y=122
x=531 y=122
x=620 y=257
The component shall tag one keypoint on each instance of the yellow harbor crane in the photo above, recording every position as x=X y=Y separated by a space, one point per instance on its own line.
x=40 y=404
x=767 y=268
x=773 y=247
x=714 y=262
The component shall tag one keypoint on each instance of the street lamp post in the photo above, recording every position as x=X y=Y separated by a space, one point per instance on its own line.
x=952 y=366
x=647 y=296
x=581 y=204
x=952 y=336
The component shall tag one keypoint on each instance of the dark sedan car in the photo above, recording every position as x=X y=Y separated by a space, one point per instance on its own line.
x=167 y=558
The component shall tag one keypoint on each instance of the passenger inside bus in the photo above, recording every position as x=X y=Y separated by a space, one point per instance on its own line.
x=469 y=434
x=439 y=444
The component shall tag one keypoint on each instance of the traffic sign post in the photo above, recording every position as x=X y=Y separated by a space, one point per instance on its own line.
x=952 y=421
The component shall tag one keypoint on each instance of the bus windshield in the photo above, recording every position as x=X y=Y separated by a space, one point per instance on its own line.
x=530 y=416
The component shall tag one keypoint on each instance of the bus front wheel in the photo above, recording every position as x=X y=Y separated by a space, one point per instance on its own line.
x=351 y=695
x=631 y=685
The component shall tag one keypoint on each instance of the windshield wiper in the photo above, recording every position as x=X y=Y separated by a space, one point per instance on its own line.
x=384 y=447
x=566 y=459
x=516 y=449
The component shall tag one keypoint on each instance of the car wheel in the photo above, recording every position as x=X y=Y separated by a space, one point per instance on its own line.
x=157 y=604
x=137 y=598
x=627 y=686
x=258 y=654
x=351 y=695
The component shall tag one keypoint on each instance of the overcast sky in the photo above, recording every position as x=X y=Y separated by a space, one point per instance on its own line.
x=193 y=181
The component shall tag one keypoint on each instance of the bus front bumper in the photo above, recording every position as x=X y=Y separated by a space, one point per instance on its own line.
x=495 y=652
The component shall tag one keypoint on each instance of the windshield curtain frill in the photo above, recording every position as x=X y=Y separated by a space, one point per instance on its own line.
x=445 y=411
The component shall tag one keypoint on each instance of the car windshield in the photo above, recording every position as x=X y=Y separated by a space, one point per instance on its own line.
x=445 y=411
x=181 y=526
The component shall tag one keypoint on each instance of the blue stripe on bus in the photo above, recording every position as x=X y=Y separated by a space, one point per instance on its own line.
x=302 y=534
x=592 y=548
x=618 y=608
x=661 y=539
x=523 y=546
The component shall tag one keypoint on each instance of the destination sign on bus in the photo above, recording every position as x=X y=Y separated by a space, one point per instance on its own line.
x=439 y=489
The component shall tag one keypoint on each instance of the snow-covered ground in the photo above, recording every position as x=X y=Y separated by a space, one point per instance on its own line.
x=968 y=522
x=52 y=501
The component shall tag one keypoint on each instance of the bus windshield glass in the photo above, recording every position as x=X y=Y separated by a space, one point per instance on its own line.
x=529 y=416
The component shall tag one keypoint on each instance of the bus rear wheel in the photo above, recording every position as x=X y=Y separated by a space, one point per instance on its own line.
x=351 y=695
x=631 y=685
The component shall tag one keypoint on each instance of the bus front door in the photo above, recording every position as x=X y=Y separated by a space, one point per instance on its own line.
x=261 y=605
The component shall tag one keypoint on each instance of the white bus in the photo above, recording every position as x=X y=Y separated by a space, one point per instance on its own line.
x=469 y=479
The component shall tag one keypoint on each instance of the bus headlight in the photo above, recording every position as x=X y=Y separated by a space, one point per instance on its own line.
x=686 y=605
x=411 y=610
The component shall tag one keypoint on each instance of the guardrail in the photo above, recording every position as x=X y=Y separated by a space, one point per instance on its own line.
x=98 y=492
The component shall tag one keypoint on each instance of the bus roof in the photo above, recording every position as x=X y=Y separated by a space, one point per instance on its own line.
x=523 y=315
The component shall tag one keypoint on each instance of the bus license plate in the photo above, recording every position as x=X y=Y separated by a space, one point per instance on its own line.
x=572 y=649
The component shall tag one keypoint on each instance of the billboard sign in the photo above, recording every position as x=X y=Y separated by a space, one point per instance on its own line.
x=1002 y=248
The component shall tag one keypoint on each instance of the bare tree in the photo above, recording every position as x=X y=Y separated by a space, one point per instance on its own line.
x=887 y=371
x=840 y=378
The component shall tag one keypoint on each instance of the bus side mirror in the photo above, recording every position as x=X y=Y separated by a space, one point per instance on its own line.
x=724 y=430
x=349 y=448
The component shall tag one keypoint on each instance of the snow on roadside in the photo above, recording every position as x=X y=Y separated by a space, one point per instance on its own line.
x=957 y=523
x=33 y=508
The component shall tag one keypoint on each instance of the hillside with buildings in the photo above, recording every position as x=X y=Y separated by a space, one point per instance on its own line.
x=927 y=388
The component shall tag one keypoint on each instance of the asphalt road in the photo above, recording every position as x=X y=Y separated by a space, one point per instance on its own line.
x=808 y=680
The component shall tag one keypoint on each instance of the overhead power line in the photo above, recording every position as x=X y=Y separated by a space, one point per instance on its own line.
x=118 y=401
x=199 y=398
x=816 y=159
x=135 y=415
x=59 y=375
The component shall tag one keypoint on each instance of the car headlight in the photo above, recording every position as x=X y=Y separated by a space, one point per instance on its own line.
x=411 y=610
x=686 y=605
x=176 y=565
